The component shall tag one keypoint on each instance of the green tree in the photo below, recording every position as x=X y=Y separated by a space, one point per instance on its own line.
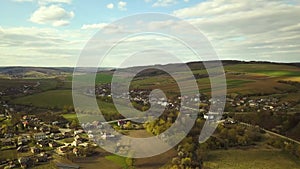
x=4 y=129
x=74 y=124
x=186 y=162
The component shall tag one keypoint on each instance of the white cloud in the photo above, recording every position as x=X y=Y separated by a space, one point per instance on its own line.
x=247 y=29
x=61 y=23
x=54 y=15
x=186 y=0
x=32 y=46
x=94 y=26
x=110 y=6
x=164 y=3
x=105 y=28
x=45 y=2
x=122 y=5
x=22 y=0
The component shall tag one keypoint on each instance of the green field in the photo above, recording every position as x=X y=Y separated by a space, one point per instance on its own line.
x=100 y=78
x=70 y=116
x=8 y=154
x=48 y=99
x=250 y=159
x=266 y=69
x=121 y=161
x=45 y=84
x=49 y=165
x=249 y=83
x=82 y=117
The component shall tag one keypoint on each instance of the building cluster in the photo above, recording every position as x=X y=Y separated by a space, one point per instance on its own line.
x=22 y=89
x=246 y=104
x=36 y=142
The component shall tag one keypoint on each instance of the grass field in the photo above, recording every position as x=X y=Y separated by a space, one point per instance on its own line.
x=121 y=161
x=49 y=165
x=12 y=154
x=266 y=69
x=45 y=84
x=100 y=78
x=250 y=83
x=60 y=98
x=82 y=117
x=250 y=159
x=100 y=162
x=8 y=154
x=70 y=116
x=48 y=99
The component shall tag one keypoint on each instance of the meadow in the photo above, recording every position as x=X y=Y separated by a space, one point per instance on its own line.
x=242 y=79
x=99 y=79
x=45 y=84
x=49 y=99
x=275 y=70
x=250 y=159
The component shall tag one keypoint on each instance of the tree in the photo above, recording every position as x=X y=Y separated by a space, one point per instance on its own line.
x=74 y=124
x=176 y=161
x=4 y=129
x=298 y=151
x=129 y=161
x=186 y=162
x=232 y=136
x=128 y=125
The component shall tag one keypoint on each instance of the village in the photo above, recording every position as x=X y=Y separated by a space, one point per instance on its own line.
x=37 y=141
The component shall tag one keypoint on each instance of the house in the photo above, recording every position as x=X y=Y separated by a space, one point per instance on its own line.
x=76 y=151
x=45 y=129
x=211 y=116
x=23 y=149
x=252 y=104
x=7 y=142
x=35 y=150
x=41 y=158
x=62 y=150
x=58 y=136
x=67 y=134
x=25 y=162
x=75 y=143
x=121 y=123
x=43 y=143
x=76 y=132
x=22 y=140
x=39 y=136
x=79 y=138
x=107 y=136
x=53 y=144
x=230 y=121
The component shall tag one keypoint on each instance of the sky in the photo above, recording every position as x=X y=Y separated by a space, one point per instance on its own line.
x=54 y=32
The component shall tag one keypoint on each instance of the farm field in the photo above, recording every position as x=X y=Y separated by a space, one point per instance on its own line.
x=250 y=159
x=249 y=83
x=265 y=69
x=100 y=78
x=116 y=162
x=48 y=99
x=98 y=162
x=45 y=84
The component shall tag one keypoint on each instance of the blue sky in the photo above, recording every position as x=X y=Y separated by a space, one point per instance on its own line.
x=15 y=13
x=35 y=31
